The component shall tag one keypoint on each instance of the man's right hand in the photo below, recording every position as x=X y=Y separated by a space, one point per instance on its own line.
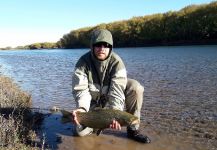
x=74 y=116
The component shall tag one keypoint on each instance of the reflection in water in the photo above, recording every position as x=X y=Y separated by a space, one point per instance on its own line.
x=180 y=88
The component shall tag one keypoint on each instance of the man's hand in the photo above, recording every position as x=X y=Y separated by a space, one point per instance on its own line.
x=74 y=116
x=115 y=125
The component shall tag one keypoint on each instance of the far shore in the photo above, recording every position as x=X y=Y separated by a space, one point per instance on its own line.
x=178 y=43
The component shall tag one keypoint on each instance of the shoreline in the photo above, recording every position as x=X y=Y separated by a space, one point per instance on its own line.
x=177 y=43
x=16 y=119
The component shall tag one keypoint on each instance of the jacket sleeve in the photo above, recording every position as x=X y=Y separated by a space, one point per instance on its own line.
x=80 y=88
x=116 y=97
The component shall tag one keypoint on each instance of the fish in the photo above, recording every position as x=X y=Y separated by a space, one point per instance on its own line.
x=101 y=118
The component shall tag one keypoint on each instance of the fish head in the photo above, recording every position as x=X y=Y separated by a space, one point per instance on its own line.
x=135 y=121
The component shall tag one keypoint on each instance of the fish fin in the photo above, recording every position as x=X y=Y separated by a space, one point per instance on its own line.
x=97 y=109
x=65 y=113
x=99 y=132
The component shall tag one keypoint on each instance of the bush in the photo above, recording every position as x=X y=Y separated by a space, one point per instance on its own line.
x=16 y=119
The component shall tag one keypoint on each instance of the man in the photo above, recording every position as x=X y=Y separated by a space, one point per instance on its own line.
x=100 y=80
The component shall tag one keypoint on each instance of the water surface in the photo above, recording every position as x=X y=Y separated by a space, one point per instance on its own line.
x=180 y=97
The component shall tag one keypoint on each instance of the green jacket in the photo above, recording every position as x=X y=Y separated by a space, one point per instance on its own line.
x=94 y=79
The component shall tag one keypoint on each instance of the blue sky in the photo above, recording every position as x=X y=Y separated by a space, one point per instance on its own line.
x=25 y=22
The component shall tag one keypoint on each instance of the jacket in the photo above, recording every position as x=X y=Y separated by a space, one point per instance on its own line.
x=94 y=79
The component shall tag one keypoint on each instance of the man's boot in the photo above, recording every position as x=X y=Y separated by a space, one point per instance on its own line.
x=135 y=135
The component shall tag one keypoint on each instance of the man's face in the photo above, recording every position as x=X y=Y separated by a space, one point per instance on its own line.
x=101 y=50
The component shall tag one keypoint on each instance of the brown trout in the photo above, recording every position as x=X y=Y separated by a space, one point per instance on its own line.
x=101 y=118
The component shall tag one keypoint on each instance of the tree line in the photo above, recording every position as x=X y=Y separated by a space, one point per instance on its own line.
x=194 y=24
x=44 y=45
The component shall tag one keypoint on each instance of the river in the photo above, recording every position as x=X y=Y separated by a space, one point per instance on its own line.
x=180 y=97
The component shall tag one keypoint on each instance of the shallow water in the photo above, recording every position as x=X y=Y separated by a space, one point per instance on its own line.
x=179 y=99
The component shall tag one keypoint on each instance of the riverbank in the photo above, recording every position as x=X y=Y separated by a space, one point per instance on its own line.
x=16 y=119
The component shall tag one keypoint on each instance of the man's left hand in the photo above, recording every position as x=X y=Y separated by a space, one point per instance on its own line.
x=115 y=125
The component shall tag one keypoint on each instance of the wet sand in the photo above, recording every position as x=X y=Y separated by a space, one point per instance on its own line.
x=119 y=141
x=60 y=136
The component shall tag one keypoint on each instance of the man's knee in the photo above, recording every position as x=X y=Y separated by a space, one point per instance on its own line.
x=83 y=131
x=134 y=86
x=134 y=97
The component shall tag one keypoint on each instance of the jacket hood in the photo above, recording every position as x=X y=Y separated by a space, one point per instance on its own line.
x=101 y=35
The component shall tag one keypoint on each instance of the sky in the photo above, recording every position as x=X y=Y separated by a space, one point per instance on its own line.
x=24 y=22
